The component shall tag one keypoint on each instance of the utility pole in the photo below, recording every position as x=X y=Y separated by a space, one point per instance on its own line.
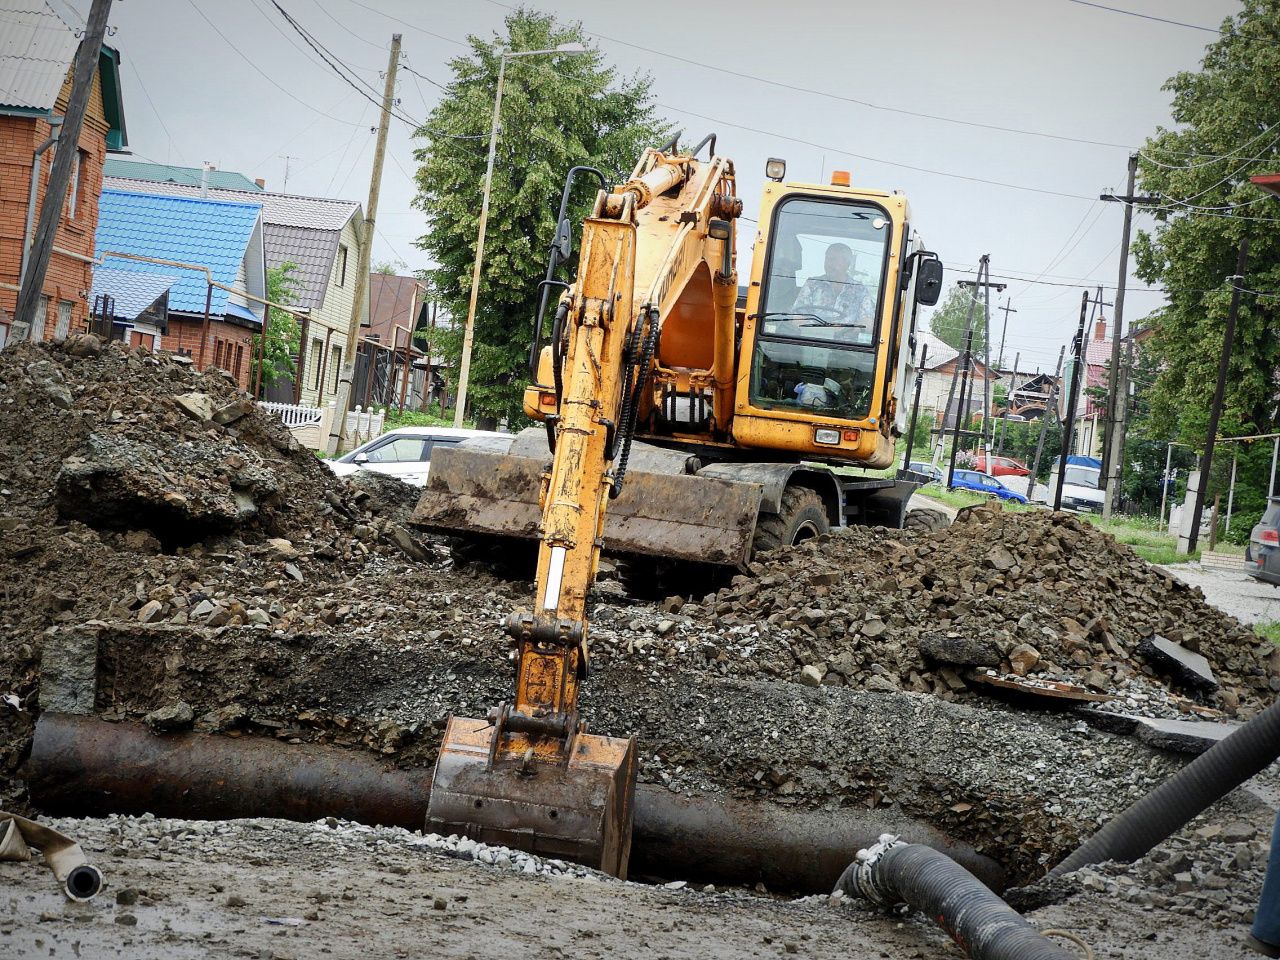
x=1050 y=405
x=1073 y=397
x=1008 y=400
x=337 y=433
x=985 y=283
x=915 y=407
x=86 y=66
x=964 y=388
x=1219 y=391
x=955 y=371
x=1004 y=329
x=1119 y=387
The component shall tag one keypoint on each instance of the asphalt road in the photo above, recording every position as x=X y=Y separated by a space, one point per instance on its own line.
x=1232 y=591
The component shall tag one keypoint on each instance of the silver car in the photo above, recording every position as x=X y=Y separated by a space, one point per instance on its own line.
x=405 y=452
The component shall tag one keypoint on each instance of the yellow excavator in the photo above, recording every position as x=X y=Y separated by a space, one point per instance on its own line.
x=682 y=424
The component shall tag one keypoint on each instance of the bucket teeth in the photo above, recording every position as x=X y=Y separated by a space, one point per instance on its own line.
x=520 y=797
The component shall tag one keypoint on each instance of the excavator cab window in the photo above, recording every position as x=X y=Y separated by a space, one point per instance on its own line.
x=820 y=307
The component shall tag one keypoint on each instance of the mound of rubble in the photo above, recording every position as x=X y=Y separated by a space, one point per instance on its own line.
x=1037 y=595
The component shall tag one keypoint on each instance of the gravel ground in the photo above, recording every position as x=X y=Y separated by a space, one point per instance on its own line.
x=1233 y=592
x=179 y=889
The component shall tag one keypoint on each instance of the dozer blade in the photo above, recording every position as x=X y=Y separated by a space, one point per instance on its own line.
x=673 y=515
x=579 y=811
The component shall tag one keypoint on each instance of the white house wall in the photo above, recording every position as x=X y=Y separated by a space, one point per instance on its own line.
x=331 y=321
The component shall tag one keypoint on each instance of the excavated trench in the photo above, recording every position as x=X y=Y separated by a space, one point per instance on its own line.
x=743 y=782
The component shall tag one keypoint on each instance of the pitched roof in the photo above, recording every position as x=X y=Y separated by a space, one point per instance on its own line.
x=211 y=233
x=301 y=230
x=37 y=44
x=939 y=353
x=1097 y=353
x=390 y=300
x=132 y=291
x=168 y=173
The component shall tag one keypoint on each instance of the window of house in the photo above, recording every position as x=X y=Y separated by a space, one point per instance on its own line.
x=317 y=360
x=335 y=363
x=239 y=360
x=38 y=321
x=64 y=320
x=341 y=265
x=217 y=353
x=73 y=194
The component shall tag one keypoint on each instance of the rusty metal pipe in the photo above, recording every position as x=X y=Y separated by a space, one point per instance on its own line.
x=83 y=766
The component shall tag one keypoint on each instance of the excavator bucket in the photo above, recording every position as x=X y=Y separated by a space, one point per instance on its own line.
x=663 y=511
x=578 y=809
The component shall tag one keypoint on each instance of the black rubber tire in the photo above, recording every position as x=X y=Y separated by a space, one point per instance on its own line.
x=802 y=516
x=926 y=519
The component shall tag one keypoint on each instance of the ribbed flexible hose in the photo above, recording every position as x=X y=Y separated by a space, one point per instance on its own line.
x=1168 y=807
x=984 y=926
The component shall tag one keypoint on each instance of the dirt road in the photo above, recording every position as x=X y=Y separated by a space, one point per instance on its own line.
x=287 y=891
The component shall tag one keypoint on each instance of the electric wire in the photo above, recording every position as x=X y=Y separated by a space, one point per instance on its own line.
x=1175 y=23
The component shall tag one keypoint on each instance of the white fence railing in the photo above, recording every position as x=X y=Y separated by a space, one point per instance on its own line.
x=311 y=426
x=294 y=415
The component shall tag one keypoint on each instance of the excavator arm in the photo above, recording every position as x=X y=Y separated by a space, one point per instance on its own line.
x=529 y=775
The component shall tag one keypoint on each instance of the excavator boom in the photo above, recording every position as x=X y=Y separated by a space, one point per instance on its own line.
x=529 y=775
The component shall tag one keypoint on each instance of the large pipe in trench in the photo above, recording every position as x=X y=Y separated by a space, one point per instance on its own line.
x=83 y=766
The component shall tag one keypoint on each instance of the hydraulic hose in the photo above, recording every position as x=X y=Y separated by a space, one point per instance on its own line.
x=983 y=925
x=1163 y=811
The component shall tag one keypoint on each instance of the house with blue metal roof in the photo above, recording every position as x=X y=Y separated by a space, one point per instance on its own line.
x=210 y=253
x=320 y=237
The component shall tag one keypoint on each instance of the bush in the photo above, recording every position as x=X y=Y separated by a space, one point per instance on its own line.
x=1242 y=523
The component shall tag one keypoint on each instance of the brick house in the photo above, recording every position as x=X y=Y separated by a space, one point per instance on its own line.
x=37 y=45
x=320 y=236
x=211 y=239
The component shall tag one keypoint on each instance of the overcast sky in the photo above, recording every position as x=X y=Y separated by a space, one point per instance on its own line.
x=248 y=99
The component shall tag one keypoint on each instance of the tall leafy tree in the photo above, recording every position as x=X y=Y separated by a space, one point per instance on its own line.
x=1227 y=127
x=283 y=333
x=947 y=322
x=557 y=112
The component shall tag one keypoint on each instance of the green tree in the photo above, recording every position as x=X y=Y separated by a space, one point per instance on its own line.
x=283 y=334
x=556 y=112
x=1225 y=115
x=947 y=322
x=388 y=268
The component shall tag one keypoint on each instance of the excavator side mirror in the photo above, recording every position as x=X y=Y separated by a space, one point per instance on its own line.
x=564 y=239
x=929 y=282
x=718 y=229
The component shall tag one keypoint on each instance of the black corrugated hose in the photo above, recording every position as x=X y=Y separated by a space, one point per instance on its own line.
x=1168 y=807
x=984 y=926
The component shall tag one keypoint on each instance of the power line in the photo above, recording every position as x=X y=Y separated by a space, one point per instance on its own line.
x=892 y=163
x=258 y=70
x=369 y=92
x=1174 y=23
x=405 y=23
x=795 y=88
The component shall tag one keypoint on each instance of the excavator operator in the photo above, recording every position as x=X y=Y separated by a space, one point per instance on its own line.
x=836 y=296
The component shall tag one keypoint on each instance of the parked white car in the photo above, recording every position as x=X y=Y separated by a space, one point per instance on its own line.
x=404 y=453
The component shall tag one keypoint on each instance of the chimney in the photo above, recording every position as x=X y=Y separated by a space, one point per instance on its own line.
x=262 y=184
x=204 y=178
x=1100 y=329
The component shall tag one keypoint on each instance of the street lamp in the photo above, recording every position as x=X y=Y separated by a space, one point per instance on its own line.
x=468 y=335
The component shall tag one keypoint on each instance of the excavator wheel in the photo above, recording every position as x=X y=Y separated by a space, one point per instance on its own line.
x=802 y=516
x=926 y=520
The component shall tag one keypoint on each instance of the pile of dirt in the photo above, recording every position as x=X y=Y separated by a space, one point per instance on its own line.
x=133 y=487
x=232 y=583
x=1042 y=595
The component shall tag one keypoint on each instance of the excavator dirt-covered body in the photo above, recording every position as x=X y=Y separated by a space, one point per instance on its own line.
x=679 y=425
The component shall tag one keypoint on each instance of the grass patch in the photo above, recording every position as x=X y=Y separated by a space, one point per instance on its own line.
x=1164 y=554
x=1268 y=631
x=419 y=418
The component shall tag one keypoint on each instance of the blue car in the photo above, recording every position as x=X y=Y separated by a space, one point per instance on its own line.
x=984 y=483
